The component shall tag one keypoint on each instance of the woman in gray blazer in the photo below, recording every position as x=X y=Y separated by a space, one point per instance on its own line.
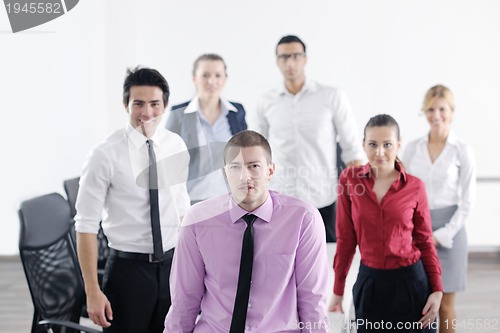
x=205 y=124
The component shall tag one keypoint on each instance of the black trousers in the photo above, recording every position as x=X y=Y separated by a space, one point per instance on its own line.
x=328 y=214
x=391 y=300
x=139 y=293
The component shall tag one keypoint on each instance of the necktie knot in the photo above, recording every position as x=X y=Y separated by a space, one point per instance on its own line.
x=249 y=219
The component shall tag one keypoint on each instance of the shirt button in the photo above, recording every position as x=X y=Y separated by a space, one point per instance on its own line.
x=249 y=305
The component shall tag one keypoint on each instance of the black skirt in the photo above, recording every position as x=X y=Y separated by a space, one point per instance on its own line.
x=391 y=300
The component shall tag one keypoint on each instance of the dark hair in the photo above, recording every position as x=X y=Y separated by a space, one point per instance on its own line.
x=143 y=76
x=382 y=120
x=290 y=39
x=210 y=57
x=244 y=139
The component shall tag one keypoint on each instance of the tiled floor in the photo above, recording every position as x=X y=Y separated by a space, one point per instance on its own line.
x=478 y=307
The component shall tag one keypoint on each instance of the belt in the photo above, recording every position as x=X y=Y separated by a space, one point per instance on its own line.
x=148 y=257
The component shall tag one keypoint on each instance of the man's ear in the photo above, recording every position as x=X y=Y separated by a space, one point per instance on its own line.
x=271 y=169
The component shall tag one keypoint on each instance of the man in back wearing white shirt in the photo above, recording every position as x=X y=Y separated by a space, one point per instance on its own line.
x=302 y=121
x=137 y=178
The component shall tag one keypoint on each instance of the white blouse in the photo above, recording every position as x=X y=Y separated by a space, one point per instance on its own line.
x=450 y=180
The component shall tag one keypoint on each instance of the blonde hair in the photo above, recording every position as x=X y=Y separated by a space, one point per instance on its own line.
x=438 y=91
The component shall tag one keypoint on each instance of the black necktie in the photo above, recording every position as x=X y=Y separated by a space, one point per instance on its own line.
x=244 y=279
x=153 y=201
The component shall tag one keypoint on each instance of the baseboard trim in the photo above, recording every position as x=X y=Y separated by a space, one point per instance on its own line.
x=475 y=252
x=484 y=252
x=13 y=257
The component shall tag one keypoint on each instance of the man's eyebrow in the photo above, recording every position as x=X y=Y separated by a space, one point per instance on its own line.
x=384 y=141
x=142 y=101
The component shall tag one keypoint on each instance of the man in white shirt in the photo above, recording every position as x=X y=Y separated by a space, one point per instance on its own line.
x=142 y=207
x=302 y=121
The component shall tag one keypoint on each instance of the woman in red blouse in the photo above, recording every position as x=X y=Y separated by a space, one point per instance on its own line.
x=384 y=211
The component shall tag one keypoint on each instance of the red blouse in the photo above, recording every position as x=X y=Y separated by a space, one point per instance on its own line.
x=393 y=234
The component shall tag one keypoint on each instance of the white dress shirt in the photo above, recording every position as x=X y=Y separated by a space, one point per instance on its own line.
x=115 y=181
x=302 y=130
x=449 y=181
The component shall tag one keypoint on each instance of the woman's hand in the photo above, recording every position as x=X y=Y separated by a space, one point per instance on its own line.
x=336 y=304
x=431 y=308
x=436 y=242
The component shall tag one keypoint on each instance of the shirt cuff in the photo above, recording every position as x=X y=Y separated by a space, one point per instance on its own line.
x=443 y=237
x=87 y=226
x=338 y=288
x=436 y=282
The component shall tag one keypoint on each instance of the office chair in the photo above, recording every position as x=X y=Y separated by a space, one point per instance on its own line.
x=71 y=187
x=50 y=265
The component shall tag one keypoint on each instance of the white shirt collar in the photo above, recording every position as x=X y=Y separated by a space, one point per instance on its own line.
x=194 y=106
x=452 y=139
x=309 y=85
x=138 y=139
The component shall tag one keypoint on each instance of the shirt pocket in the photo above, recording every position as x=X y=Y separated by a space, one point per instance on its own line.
x=279 y=272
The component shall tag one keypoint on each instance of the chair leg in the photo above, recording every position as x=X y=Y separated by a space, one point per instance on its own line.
x=34 y=325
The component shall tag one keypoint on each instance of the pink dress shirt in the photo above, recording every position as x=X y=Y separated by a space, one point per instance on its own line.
x=290 y=271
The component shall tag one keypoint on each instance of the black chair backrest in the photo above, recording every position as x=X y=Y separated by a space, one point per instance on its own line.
x=71 y=187
x=49 y=259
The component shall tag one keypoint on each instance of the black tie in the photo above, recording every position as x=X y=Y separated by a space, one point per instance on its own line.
x=153 y=201
x=244 y=279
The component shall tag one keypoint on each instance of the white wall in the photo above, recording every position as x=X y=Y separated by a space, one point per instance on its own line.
x=61 y=82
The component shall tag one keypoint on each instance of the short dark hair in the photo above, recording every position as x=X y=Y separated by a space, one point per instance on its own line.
x=290 y=39
x=244 y=139
x=143 y=76
x=209 y=57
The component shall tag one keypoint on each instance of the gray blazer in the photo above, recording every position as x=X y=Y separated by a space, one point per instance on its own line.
x=185 y=124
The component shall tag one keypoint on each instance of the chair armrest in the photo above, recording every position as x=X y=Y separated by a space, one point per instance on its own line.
x=64 y=323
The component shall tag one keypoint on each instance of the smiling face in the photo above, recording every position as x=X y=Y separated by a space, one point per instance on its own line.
x=209 y=78
x=145 y=108
x=248 y=175
x=381 y=146
x=439 y=115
